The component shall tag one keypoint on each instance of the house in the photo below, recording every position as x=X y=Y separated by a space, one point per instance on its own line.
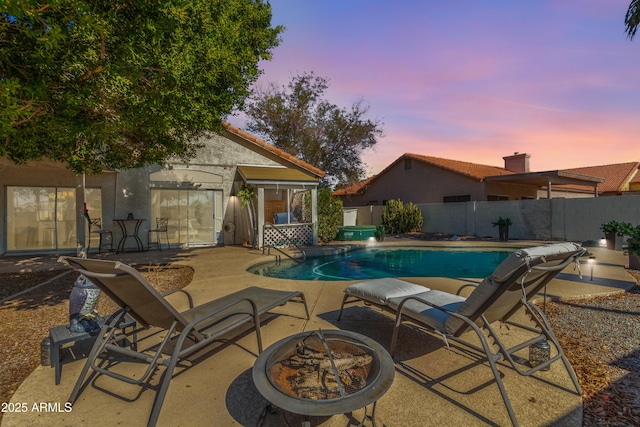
x=199 y=197
x=424 y=179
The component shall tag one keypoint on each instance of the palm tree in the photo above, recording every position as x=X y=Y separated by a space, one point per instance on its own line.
x=632 y=18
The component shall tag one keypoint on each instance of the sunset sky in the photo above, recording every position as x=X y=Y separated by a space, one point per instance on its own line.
x=474 y=80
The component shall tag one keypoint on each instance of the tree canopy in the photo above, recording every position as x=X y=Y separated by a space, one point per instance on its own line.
x=632 y=18
x=297 y=119
x=124 y=83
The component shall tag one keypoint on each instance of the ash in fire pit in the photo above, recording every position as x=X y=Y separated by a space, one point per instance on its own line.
x=320 y=368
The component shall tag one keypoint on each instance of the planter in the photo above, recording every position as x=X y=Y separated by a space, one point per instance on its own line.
x=634 y=262
x=503 y=231
x=611 y=240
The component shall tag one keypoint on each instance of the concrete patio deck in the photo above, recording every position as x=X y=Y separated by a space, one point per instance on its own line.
x=432 y=386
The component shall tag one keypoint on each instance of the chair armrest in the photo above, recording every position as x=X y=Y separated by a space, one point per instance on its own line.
x=173 y=291
x=473 y=285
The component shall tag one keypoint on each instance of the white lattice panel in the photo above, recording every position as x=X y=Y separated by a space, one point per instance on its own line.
x=300 y=234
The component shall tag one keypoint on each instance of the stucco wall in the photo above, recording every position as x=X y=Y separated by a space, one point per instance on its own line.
x=128 y=191
x=424 y=183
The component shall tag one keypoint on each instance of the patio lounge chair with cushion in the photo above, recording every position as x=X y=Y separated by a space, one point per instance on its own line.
x=184 y=332
x=497 y=298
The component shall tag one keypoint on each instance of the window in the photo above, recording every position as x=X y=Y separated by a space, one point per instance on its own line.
x=195 y=216
x=45 y=217
x=457 y=199
x=493 y=198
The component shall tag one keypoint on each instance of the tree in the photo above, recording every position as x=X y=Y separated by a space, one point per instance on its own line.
x=632 y=18
x=298 y=120
x=124 y=83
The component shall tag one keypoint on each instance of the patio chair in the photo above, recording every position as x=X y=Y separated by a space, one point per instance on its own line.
x=184 y=332
x=497 y=298
x=162 y=226
x=95 y=227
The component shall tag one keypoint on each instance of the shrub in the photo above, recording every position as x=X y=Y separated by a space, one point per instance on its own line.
x=400 y=218
x=330 y=214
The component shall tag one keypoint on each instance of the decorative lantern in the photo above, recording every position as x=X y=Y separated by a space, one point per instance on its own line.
x=538 y=353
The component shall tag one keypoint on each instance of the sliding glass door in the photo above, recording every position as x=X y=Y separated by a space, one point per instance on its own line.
x=44 y=218
x=195 y=216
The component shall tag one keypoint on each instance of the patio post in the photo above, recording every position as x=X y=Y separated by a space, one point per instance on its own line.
x=314 y=214
x=81 y=236
x=260 y=219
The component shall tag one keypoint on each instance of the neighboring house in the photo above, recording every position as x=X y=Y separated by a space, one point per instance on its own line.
x=198 y=197
x=425 y=179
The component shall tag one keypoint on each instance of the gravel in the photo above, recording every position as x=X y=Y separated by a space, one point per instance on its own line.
x=601 y=338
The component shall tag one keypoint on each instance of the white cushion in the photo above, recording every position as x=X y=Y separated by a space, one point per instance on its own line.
x=425 y=313
x=520 y=257
x=379 y=291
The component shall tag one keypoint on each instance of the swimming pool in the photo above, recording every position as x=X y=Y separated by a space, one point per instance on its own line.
x=390 y=262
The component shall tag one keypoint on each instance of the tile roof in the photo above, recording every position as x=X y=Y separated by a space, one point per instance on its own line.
x=471 y=170
x=355 y=188
x=283 y=154
x=616 y=176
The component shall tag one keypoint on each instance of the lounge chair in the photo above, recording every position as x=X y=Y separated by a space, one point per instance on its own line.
x=497 y=298
x=184 y=332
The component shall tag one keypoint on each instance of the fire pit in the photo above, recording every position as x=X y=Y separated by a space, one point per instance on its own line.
x=323 y=373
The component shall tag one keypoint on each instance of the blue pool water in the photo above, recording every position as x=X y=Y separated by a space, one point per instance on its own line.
x=389 y=262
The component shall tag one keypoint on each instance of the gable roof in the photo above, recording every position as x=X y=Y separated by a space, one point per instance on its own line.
x=616 y=176
x=280 y=153
x=471 y=170
x=355 y=188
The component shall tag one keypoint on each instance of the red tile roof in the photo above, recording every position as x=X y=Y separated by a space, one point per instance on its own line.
x=355 y=188
x=616 y=176
x=283 y=154
x=471 y=170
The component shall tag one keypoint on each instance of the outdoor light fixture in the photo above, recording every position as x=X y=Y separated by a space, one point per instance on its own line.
x=592 y=262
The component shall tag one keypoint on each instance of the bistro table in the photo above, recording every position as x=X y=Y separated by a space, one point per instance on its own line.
x=130 y=228
x=356 y=359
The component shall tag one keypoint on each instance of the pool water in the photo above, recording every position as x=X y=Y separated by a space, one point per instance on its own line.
x=389 y=262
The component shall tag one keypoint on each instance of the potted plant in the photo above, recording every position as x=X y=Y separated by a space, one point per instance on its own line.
x=610 y=229
x=614 y=229
x=379 y=233
x=633 y=248
x=503 y=228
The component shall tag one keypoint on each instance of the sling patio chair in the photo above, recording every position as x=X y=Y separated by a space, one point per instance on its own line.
x=498 y=297
x=184 y=332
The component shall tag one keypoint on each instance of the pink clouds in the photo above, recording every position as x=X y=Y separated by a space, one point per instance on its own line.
x=472 y=81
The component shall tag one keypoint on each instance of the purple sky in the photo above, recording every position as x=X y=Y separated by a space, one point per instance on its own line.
x=474 y=80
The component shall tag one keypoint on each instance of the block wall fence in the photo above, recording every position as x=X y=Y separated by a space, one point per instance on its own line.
x=544 y=219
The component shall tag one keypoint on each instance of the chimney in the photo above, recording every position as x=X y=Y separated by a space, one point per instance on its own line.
x=518 y=163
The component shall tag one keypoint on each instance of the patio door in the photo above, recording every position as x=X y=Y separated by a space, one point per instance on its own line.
x=195 y=216
x=44 y=218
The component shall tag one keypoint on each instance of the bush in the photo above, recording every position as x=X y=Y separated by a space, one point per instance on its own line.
x=400 y=218
x=330 y=214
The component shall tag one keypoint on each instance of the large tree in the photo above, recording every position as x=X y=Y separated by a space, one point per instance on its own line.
x=123 y=83
x=632 y=18
x=298 y=120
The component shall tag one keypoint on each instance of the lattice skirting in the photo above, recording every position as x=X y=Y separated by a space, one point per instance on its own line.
x=300 y=234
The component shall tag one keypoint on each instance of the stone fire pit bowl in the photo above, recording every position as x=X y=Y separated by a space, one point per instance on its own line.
x=296 y=375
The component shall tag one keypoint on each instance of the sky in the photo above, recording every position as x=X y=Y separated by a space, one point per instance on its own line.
x=473 y=80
